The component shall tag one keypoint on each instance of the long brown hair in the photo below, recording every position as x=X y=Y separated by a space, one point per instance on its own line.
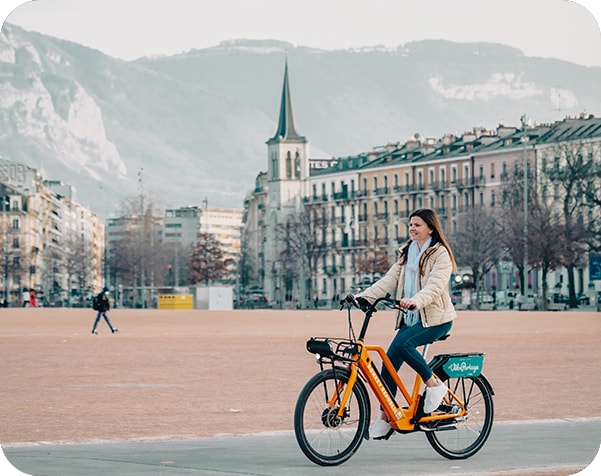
x=431 y=219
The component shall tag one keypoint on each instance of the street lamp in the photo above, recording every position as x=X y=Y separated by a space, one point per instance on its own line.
x=524 y=119
x=205 y=202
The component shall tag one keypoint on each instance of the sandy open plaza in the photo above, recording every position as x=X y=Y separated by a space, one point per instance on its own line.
x=190 y=374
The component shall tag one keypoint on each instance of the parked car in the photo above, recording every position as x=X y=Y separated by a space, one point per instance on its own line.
x=560 y=298
x=254 y=300
x=598 y=300
x=583 y=299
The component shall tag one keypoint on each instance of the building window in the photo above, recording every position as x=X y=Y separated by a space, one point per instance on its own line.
x=288 y=165
x=274 y=166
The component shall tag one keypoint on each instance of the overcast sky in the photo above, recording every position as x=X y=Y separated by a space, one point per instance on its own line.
x=129 y=29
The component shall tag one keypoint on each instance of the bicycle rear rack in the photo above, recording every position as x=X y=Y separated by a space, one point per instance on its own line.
x=334 y=349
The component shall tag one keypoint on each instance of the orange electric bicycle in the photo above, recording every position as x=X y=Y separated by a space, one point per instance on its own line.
x=332 y=413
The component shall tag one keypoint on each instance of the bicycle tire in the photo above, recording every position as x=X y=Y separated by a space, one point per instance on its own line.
x=325 y=440
x=466 y=436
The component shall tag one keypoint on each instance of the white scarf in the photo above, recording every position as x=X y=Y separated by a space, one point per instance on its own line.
x=411 y=274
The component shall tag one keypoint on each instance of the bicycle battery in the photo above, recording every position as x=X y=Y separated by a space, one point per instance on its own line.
x=457 y=365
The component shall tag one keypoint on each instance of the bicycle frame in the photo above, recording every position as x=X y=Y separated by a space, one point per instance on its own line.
x=401 y=418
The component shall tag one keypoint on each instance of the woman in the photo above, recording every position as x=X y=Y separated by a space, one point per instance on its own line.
x=420 y=278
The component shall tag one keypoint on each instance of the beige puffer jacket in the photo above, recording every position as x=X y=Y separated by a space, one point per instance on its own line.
x=432 y=298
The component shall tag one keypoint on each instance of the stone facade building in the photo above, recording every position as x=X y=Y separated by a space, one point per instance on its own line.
x=353 y=211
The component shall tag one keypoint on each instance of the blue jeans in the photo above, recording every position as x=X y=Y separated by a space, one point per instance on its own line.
x=403 y=348
x=106 y=318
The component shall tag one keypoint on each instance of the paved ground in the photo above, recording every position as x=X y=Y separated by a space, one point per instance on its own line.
x=190 y=374
x=553 y=447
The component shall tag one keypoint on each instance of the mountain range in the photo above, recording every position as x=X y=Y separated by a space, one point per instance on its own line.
x=193 y=126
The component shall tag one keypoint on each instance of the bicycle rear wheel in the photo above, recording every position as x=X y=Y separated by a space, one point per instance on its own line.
x=465 y=436
x=323 y=437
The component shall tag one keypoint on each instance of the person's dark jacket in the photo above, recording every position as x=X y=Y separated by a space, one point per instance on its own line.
x=103 y=302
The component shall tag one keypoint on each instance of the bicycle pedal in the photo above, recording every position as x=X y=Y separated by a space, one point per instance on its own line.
x=384 y=437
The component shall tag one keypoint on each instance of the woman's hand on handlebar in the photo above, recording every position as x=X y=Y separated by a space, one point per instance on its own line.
x=359 y=302
x=407 y=304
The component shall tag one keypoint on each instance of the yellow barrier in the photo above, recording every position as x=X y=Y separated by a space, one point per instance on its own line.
x=175 y=301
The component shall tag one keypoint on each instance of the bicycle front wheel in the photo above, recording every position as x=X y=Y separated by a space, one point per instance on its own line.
x=323 y=437
x=465 y=436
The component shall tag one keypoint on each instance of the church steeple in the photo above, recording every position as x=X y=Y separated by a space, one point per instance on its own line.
x=286 y=129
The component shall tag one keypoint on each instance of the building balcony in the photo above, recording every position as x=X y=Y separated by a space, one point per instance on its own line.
x=340 y=196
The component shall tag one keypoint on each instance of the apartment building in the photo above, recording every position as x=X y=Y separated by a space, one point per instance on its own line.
x=50 y=242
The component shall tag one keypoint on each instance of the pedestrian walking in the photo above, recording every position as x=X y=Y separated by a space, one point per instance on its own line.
x=33 y=302
x=25 y=296
x=102 y=304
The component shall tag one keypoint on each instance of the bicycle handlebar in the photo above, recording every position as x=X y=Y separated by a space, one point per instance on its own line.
x=366 y=306
x=369 y=308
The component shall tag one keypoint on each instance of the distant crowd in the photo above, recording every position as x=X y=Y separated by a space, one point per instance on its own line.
x=28 y=297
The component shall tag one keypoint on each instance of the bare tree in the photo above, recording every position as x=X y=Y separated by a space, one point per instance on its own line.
x=591 y=201
x=299 y=242
x=77 y=264
x=511 y=221
x=206 y=260
x=570 y=178
x=476 y=245
x=546 y=232
x=374 y=261
x=138 y=260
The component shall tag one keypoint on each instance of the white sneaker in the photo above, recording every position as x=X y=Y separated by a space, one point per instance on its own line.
x=379 y=430
x=434 y=396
